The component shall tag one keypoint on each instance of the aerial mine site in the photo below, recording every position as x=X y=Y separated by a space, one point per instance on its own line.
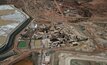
x=53 y=32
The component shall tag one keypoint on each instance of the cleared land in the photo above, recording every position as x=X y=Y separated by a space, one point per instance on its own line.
x=24 y=62
x=37 y=43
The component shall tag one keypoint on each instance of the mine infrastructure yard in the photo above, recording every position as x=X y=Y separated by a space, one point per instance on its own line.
x=53 y=32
